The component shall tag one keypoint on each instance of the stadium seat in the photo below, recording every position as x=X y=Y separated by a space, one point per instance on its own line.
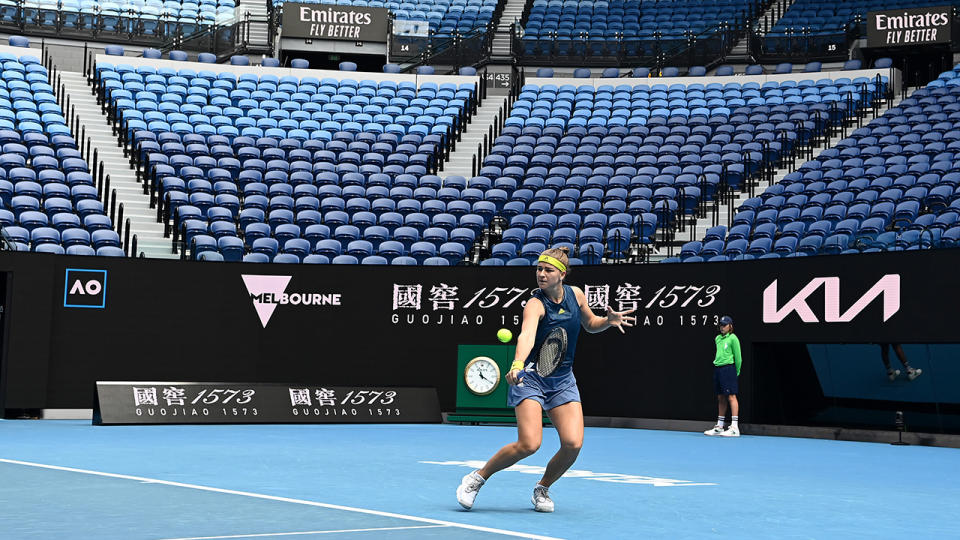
x=883 y=63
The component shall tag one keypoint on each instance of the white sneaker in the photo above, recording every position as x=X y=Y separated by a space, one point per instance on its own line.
x=892 y=374
x=541 y=500
x=715 y=430
x=913 y=373
x=467 y=491
x=730 y=432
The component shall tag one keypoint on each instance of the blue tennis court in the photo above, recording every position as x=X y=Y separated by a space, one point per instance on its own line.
x=68 y=479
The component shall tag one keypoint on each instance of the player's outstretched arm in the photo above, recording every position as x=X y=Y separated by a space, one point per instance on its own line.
x=532 y=313
x=594 y=324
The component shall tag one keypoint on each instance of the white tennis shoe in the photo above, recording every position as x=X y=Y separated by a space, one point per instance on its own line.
x=715 y=430
x=730 y=432
x=468 y=489
x=913 y=373
x=541 y=499
x=892 y=374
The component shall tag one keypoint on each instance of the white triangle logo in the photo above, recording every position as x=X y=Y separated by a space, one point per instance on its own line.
x=258 y=285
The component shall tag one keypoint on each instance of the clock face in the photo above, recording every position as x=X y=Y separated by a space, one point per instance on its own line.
x=482 y=375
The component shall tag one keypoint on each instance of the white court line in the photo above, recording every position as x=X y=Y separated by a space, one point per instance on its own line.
x=280 y=499
x=307 y=532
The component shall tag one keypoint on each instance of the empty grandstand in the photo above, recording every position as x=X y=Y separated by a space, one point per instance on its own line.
x=337 y=208
x=265 y=162
x=50 y=199
x=889 y=186
x=631 y=31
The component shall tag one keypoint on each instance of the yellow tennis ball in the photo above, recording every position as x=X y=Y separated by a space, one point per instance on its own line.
x=504 y=335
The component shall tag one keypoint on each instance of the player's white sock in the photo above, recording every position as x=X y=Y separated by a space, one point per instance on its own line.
x=720 y=421
x=733 y=423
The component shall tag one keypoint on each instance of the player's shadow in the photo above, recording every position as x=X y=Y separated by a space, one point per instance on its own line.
x=496 y=509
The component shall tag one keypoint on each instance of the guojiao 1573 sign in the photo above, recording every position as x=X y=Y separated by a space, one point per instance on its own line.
x=336 y=22
x=906 y=27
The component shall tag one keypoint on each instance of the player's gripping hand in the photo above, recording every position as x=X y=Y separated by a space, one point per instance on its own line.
x=514 y=376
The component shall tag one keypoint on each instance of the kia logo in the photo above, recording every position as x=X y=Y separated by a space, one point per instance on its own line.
x=888 y=286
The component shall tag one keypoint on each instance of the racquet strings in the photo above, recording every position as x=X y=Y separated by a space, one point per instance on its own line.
x=552 y=352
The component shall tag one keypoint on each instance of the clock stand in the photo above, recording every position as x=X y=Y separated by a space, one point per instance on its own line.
x=484 y=409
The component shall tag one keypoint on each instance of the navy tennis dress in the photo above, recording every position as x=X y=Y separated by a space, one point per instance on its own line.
x=561 y=386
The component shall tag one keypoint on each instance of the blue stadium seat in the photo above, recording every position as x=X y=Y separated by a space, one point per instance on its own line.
x=883 y=63
x=256 y=258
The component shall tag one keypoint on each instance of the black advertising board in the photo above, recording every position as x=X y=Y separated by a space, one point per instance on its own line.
x=334 y=22
x=249 y=403
x=910 y=27
x=395 y=326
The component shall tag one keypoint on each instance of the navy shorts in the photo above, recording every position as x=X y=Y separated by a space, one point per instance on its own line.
x=725 y=380
x=543 y=392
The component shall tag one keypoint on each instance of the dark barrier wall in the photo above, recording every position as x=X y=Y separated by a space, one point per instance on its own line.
x=394 y=326
x=847 y=385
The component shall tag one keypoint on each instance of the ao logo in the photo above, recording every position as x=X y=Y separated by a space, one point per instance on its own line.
x=90 y=287
x=85 y=288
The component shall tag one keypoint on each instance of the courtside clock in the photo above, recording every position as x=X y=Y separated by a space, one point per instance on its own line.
x=481 y=375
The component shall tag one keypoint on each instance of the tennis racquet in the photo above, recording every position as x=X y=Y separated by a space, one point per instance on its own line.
x=552 y=351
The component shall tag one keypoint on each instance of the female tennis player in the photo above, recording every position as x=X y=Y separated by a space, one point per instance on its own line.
x=541 y=377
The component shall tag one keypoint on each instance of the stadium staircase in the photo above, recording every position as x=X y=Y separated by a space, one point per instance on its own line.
x=93 y=124
x=772 y=14
x=512 y=12
x=465 y=160
x=257 y=19
x=740 y=53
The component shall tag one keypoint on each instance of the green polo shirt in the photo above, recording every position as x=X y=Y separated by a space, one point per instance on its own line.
x=728 y=351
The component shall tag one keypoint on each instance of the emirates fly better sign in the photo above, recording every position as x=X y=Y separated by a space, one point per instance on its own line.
x=905 y=27
x=342 y=23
